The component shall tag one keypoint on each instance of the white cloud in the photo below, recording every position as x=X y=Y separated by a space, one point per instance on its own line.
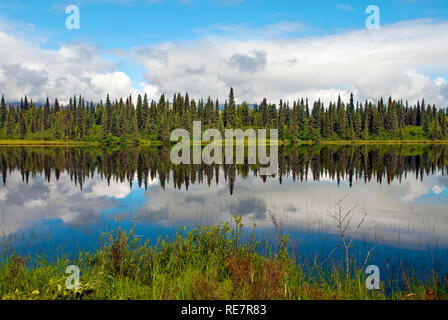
x=437 y=190
x=75 y=68
x=344 y=7
x=101 y=188
x=405 y=60
x=397 y=60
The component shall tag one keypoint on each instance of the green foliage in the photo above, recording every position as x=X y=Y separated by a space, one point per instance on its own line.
x=111 y=141
x=316 y=138
x=208 y=262
x=154 y=120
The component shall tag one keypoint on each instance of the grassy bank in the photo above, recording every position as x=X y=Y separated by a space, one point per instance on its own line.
x=367 y=142
x=17 y=142
x=155 y=143
x=207 y=263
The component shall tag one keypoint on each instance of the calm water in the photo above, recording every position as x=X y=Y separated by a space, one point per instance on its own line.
x=58 y=200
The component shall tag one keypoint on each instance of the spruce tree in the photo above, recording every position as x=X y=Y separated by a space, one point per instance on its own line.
x=139 y=113
x=216 y=119
x=231 y=116
x=46 y=116
x=435 y=132
x=391 y=120
x=3 y=112
x=342 y=122
x=326 y=130
x=9 y=125
x=294 y=121
x=376 y=125
x=443 y=127
x=56 y=105
x=365 y=132
x=358 y=125
x=163 y=129
x=425 y=123
x=281 y=122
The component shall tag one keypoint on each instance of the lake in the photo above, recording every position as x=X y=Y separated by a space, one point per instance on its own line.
x=58 y=200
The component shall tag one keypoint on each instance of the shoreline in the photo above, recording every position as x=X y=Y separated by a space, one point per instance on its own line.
x=143 y=143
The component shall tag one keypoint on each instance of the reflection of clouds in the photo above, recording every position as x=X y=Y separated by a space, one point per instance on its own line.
x=411 y=212
x=102 y=189
x=25 y=204
x=437 y=189
x=249 y=206
x=410 y=189
x=2 y=194
x=396 y=213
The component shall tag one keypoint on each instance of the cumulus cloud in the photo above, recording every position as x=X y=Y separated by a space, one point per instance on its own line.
x=405 y=60
x=73 y=68
x=248 y=62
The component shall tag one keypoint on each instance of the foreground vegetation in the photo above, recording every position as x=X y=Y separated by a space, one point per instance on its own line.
x=215 y=262
x=121 y=122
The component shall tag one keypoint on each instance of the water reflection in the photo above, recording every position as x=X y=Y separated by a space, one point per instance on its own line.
x=351 y=163
x=69 y=195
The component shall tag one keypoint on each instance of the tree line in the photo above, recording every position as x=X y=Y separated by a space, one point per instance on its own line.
x=126 y=121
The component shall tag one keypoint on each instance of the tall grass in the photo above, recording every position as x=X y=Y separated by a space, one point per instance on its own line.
x=209 y=262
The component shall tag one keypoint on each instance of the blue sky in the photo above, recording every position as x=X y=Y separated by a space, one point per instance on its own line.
x=110 y=24
x=119 y=34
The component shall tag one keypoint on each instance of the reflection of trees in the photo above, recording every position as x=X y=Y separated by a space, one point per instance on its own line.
x=345 y=162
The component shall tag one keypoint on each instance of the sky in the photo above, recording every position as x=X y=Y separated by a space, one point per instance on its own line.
x=274 y=49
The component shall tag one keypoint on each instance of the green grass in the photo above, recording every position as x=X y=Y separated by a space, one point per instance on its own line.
x=27 y=142
x=365 y=142
x=214 y=262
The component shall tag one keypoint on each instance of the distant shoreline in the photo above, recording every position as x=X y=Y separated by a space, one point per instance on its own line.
x=17 y=142
x=20 y=143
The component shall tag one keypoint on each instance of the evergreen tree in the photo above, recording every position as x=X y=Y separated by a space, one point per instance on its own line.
x=22 y=125
x=391 y=120
x=216 y=119
x=281 y=122
x=425 y=122
x=342 y=122
x=3 y=112
x=154 y=120
x=376 y=123
x=326 y=130
x=163 y=130
x=358 y=125
x=294 y=122
x=443 y=127
x=46 y=116
x=9 y=125
x=435 y=132
x=139 y=113
x=231 y=116
x=365 y=132
x=56 y=105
